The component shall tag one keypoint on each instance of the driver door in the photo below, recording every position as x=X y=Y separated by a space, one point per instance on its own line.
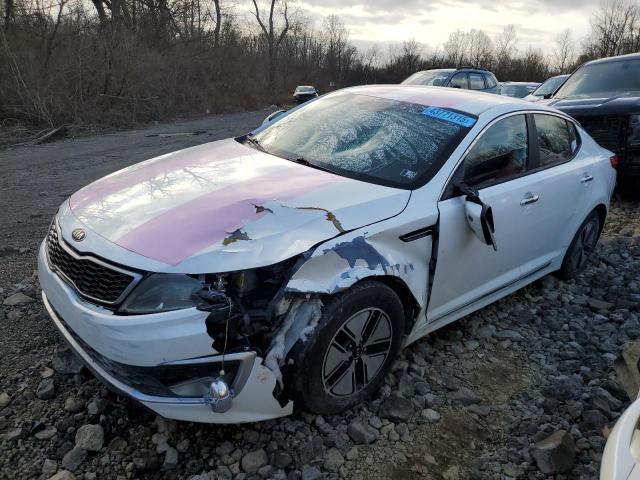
x=468 y=270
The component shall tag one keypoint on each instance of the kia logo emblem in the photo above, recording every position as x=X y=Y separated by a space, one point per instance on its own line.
x=78 y=234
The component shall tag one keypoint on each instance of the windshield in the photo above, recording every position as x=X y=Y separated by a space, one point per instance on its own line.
x=549 y=86
x=435 y=78
x=369 y=138
x=518 y=91
x=602 y=80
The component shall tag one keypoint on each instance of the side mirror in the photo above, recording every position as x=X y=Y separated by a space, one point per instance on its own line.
x=273 y=116
x=479 y=216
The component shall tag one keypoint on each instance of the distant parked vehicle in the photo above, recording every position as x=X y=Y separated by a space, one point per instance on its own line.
x=468 y=78
x=304 y=93
x=518 y=89
x=547 y=89
x=604 y=96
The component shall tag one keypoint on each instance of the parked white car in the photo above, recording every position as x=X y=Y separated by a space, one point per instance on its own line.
x=223 y=282
x=621 y=457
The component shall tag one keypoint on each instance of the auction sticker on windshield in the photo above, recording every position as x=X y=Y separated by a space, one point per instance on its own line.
x=449 y=116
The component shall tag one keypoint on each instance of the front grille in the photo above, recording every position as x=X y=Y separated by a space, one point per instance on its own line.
x=93 y=280
x=609 y=132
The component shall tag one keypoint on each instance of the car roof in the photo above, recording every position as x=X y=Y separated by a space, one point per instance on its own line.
x=459 y=99
x=437 y=70
x=630 y=56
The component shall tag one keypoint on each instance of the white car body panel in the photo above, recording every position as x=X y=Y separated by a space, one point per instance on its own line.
x=621 y=457
x=259 y=210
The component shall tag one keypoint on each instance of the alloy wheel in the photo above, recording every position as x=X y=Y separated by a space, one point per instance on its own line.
x=357 y=352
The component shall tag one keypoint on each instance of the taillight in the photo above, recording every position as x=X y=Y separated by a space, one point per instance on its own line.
x=614 y=161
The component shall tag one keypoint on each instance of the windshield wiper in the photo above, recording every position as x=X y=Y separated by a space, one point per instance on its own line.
x=304 y=161
x=255 y=144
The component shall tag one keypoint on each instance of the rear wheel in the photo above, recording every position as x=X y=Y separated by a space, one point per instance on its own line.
x=581 y=247
x=346 y=358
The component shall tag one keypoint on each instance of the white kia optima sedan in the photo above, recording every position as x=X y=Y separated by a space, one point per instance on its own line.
x=224 y=282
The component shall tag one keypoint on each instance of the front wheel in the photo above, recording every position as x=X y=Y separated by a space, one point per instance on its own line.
x=345 y=359
x=581 y=247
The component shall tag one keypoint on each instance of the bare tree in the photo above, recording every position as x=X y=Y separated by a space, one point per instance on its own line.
x=506 y=45
x=564 y=53
x=272 y=36
x=479 y=49
x=613 y=29
x=456 y=48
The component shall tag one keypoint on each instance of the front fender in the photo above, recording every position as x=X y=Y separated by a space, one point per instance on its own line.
x=339 y=263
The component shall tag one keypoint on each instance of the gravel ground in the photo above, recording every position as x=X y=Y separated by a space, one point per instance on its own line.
x=524 y=388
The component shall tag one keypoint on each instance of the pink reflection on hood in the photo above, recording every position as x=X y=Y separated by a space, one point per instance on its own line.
x=193 y=226
x=157 y=167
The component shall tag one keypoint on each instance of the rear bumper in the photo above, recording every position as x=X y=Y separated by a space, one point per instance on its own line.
x=251 y=382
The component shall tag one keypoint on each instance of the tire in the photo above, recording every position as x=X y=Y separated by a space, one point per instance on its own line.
x=315 y=377
x=581 y=247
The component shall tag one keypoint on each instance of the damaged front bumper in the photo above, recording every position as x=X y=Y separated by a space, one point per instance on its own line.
x=173 y=386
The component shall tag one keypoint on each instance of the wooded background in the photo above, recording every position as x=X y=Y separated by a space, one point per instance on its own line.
x=114 y=63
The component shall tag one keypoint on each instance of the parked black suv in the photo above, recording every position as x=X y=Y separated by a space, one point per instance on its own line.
x=604 y=96
x=464 y=77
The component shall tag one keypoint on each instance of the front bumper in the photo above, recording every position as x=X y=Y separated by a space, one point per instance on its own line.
x=133 y=372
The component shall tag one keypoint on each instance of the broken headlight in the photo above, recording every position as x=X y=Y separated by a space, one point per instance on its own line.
x=163 y=292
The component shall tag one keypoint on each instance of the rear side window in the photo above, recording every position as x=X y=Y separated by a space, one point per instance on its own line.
x=476 y=81
x=557 y=139
x=491 y=81
x=459 y=80
x=500 y=153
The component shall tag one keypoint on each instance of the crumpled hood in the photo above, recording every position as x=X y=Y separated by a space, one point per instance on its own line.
x=224 y=206
x=614 y=105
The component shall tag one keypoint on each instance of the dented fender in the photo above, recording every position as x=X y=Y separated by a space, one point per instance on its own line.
x=376 y=251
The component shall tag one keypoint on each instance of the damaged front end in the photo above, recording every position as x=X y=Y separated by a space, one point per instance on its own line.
x=249 y=311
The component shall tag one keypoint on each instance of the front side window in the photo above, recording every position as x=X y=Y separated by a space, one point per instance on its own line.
x=556 y=139
x=620 y=77
x=476 y=82
x=459 y=80
x=500 y=153
x=369 y=138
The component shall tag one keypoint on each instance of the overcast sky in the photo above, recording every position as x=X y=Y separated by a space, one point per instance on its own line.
x=431 y=21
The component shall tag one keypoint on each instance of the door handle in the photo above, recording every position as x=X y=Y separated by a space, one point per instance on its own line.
x=586 y=178
x=529 y=198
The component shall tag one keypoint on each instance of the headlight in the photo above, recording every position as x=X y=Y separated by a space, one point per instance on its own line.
x=163 y=292
x=634 y=131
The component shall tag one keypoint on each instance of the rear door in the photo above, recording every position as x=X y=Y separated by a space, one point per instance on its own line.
x=562 y=183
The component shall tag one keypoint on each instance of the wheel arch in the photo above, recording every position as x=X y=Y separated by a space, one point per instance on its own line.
x=601 y=210
x=409 y=303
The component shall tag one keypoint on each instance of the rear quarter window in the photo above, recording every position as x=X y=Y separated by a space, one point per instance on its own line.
x=490 y=81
